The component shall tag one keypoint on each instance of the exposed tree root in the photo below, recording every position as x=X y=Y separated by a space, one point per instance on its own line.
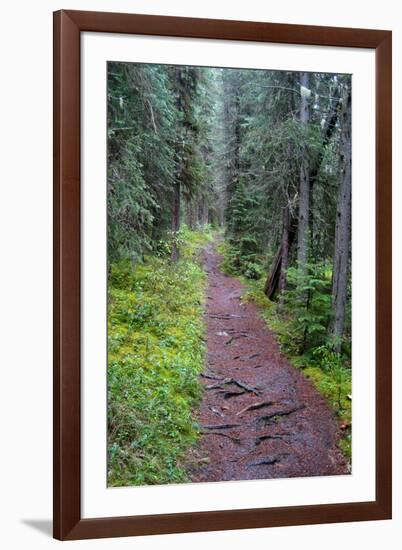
x=267 y=460
x=225 y=317
x=211 y=376
x=255 y=406
x=268 y=418
x=262 y=438
x=216 y=412
x=236 y=440
x=238 y=336
x=253 y=356
x=219 y=426
x=238 y=383
x=246 y=387
x=227 y=394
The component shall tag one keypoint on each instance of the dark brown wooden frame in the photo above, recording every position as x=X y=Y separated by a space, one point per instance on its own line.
x=68 y=26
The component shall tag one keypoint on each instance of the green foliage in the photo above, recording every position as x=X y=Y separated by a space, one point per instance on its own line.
x=188 y=241
x=334 y=365
x=141 y=113
x=159 y=126
x=253 y=270
x=307 y=303
x=156 y=351
x=332 y=376
x=240 y=258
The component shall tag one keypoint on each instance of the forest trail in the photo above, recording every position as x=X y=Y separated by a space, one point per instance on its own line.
x=260 y=417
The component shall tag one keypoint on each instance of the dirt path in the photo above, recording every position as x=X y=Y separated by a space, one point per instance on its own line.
x=260 y=417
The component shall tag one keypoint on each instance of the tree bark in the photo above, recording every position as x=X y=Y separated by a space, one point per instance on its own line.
x=304 y=185
x=285 y=254
x=205 y=213
x=175 y=221
x=178 y=84
x=342 y=229
x=273 y=278
x=314 y=168
x=328 y=131
x=190 y=213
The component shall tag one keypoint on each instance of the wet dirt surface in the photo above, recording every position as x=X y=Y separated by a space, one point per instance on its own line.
x=260 y=417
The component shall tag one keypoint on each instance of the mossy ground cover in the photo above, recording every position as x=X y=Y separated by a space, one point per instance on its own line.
x=155 y=354
x=329 y=373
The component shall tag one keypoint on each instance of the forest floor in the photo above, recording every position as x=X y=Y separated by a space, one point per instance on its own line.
x=259 y=416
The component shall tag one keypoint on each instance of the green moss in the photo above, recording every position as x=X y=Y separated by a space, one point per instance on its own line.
x=155 y=353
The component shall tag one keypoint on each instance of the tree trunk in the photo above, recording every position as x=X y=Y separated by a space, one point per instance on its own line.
x=190 y=213
x=274 y=275
x=175 y=221
x=199 y=212
x=205 y=213
x=285 y=254
x=304 y=186
x=330 y=126
x=342 y=229
x=178 y=84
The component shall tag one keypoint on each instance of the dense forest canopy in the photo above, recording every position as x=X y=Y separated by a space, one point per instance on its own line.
x=265 y=155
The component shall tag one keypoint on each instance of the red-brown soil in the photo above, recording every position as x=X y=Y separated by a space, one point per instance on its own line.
x=260 y=417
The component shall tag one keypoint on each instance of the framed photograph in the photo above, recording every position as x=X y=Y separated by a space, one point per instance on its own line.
x=222 y=274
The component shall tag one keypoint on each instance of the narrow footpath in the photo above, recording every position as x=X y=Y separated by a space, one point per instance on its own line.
x=260 y=417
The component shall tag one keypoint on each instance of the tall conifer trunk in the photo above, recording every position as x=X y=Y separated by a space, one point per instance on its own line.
x=178 y=85
x=304 y=185
x=285 y=243
x=285 y=254
x=175 y=221
x=342 y=228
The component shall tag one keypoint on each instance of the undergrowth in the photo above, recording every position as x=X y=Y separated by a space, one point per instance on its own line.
x=155 y=353
x=329 y=372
